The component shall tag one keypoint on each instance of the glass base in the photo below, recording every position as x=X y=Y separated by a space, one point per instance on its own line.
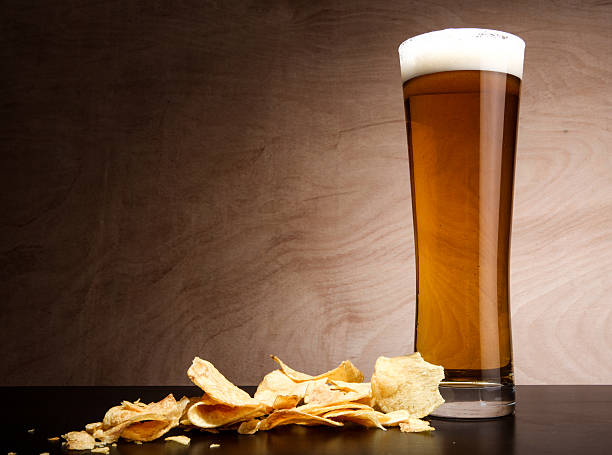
x=475 y=400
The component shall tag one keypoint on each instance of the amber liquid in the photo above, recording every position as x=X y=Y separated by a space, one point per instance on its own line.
x=462 y=129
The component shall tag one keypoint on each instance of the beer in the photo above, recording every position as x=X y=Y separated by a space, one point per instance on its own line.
x=461 y=95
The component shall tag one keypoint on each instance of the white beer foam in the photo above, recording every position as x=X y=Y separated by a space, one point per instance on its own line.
x=456 y=49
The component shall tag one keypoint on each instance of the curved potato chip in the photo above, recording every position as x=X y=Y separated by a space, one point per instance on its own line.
x=212 y=416
x=346 y=371
x=278 y=383
x=184 y=404
x=217 y=387
x=166 y=409
x=139 y=421
x=362 y=417
x=407 y=382
x=147 y=431
x=415 y=425
x=293 y=416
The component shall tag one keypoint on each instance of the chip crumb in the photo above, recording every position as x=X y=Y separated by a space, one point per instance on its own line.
x=12 y=453
x=44 y=453
x=214 y=446
x=100 y=450
x=180 y=439
x=31 y=430
x=53 y=439
x=79 y=440
x=415 y=425
x=138 y=442
x=114 y=444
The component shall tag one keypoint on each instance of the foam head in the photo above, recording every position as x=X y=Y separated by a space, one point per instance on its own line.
x=457 y=49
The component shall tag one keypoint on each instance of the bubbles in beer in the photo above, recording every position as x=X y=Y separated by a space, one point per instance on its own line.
x=456 y=49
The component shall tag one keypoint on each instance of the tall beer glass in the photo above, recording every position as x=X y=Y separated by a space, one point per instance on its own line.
x=461 y=95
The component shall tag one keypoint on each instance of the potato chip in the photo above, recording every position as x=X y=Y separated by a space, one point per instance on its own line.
x=205 y=415
x=365 y=417
x=184 y=405
x=288 y=416
x=346 y=371
x=147 y=430
x=324 y=391
x=407 y=382
x=285 y=417
x=318 y=409
x=415 y=425
x=139 y=421
x=217 y=387
x=278 y=383
x=79 y=440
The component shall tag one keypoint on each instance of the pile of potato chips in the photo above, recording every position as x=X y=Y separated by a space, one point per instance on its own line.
x=403 y=390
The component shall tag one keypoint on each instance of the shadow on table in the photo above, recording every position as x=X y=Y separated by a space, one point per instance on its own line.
x=495 y=436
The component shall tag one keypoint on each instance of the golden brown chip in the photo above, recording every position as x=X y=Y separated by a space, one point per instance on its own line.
x=92 y=427
x=346 y=371
x=324 y=391
x=100 y=450
x=139 y=421
x=318 y=409
x=285 y=417
x=364 y=417
x=79 y=440
x=278 y=383
x=147 y=431
x=415 y=425
x=184 y=405
x=217 y=387
x=288 y=416
x=205 y=415
x=407 y=382
x=180 y=439
x=165 y=409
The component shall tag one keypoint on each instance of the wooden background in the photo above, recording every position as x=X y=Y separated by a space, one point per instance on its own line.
x=230 y=179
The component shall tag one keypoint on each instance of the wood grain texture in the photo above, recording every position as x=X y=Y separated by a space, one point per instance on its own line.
x=230 y=179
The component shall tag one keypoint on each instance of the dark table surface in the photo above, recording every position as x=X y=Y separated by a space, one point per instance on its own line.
x=549 y=419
